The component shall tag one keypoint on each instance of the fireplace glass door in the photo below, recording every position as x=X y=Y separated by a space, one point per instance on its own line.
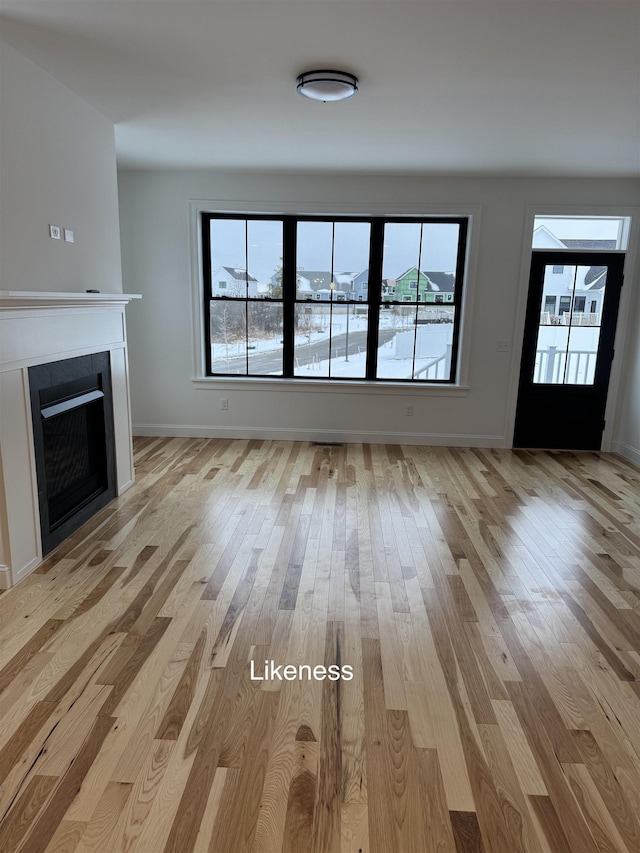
x=72 y=417
x=74 y=454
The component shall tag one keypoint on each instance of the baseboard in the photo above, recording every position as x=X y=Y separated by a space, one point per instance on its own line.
x=125 y=486
x=626 y=450
x=18 y=575
x=329 y=435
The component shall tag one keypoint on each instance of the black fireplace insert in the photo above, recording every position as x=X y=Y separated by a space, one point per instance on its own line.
x=72 y=412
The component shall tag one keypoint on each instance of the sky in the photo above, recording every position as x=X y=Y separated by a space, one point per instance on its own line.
x=576 y=227
x=344 y=247
x=261 y=244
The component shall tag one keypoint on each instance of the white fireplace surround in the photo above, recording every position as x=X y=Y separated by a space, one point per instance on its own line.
x=38 y=328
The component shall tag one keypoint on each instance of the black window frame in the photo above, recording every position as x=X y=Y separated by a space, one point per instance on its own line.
x=374 y=295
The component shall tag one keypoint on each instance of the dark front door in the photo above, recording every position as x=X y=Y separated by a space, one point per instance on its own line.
x=568 y=349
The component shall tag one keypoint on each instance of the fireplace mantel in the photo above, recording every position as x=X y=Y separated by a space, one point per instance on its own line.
x=39 y=328
x=38 y=299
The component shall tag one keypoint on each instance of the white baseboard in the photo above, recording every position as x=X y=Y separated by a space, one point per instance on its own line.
x=123 y=488
x=329 y=435
x=626 y=450
x=6 y=581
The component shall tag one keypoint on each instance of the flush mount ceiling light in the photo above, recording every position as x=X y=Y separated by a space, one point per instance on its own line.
x=325 y=85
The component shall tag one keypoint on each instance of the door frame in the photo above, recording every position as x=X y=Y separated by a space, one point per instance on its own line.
x=624 y=318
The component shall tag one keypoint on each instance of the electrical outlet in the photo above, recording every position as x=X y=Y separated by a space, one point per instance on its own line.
x=408 y=410
x=504 y=346
x=224 y=403
x=54 y=232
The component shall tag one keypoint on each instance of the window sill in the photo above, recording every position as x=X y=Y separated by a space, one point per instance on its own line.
x=390 y=388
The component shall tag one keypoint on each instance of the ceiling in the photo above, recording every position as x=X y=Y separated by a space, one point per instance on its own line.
x=516 y=87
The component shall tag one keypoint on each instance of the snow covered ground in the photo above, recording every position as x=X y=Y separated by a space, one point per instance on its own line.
x=390 y=364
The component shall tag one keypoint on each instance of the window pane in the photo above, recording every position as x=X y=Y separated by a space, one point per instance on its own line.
x=331 y=340
x=438 y=259
x=551 y=353
x=415 y=343
x=311 y=347
x=264 y=254
x=332 y=261
x=396 y=336
x=419 y=262
x=568 y=334
x=590 y=286
x=434 y=339
x=581 y=356
x=228 y=337
x=351 y=259
x=401 y=252
x=228 y=258
x=349 y=341
x=264 y=338
x=600 y=233
x=313 y=260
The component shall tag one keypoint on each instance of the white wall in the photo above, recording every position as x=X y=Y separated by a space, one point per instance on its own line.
x=627 y=438
x=58 y=166
x=156 y=262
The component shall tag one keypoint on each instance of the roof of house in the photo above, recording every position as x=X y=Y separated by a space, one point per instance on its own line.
x=595 y=278
x=545 y=239
x=303 y=284
x=321 y=279
x=344 y=278
x=239 y=274
x=444 y=281
x=318 y=279
x=590 y=244
x=407 y=272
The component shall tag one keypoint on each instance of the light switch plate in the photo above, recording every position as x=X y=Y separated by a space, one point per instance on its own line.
x=68 y=235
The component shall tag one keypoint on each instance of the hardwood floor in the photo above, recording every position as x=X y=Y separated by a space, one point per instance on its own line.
x=487 y=601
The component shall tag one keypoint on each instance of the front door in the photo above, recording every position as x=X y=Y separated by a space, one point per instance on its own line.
x=568 y=349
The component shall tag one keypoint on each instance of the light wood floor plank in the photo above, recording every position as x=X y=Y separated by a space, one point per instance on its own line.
x=487 y=601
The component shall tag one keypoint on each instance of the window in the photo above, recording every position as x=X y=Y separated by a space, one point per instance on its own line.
x=565 y=305
x=291 y=308
x=222 y=285
x=597 y=233
x=558 y=269
x=550 y=304
x=567 y=344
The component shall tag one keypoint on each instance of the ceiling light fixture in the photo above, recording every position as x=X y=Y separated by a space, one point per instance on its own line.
x=325 y=85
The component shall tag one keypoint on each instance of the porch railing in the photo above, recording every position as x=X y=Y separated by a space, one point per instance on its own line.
x=554 y=366
x=437 y=368
x=579 y=318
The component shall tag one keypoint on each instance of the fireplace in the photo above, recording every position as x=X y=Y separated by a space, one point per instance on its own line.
x=72 y=413
x=41 y=330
